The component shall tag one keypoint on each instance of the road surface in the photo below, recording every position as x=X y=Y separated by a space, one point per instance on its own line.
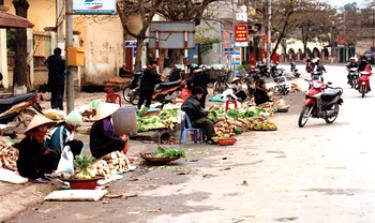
x=321 y=173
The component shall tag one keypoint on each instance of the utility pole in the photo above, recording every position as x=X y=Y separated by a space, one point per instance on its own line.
x=70 y=69
x=373 y=27
x=269 y=35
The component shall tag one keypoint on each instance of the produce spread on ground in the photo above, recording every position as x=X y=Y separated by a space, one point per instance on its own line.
x=237 y=121
x=164 y=119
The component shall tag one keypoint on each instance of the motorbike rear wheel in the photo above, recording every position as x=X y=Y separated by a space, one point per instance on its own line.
x=363 y=90
x=330 y=120
x=130 y=96
x=304 y=116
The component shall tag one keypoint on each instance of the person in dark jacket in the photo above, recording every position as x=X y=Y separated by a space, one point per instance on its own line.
x=149 y=79
x=198 y=116
x=200 y=78
x=261 y=94
x=34 y=159
x=103 y=139
x=56 y=78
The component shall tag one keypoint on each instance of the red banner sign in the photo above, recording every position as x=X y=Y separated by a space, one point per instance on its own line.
x=241 y=33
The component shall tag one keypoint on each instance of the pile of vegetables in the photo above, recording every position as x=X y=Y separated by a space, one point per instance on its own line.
x=82 y=163
x=169 y=153
x=113 y=163
x=218 y=114
x=166 y=119
x=264 y=126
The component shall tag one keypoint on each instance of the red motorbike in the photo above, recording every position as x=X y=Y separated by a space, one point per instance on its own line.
x=364 y=83
x=322 y=101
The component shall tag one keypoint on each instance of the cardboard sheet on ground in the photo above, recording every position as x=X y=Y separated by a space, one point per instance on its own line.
x=11 y=177
x=76 y=195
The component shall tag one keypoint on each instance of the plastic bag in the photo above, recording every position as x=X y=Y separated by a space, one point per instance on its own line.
x=66 y=163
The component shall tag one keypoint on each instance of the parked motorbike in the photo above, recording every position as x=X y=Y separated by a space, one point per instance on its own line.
x=364 y=83
x=221 y=83
x=282 y=85
x=353 y=77
x=161 y=91
x=128 y=92
x=294 y=70
x=262 y=70
x=19 y=110
x=322 y=101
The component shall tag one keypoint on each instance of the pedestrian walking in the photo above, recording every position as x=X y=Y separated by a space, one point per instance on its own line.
x=56 y=78
x=149 y=79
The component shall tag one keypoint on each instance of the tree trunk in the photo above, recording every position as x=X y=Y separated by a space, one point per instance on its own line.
x=21 y=67
x=138 y=56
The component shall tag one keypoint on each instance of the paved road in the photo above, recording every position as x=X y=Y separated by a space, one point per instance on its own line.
x=321 y=173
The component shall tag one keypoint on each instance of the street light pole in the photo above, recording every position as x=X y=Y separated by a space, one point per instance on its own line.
x=373 y=27
x=269 y=35
x=69 y=43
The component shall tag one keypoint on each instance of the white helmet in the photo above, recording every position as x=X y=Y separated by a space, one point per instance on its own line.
x=315 y=60
x=355 y=59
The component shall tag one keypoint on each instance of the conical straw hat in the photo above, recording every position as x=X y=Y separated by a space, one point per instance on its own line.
x=38 y=120
x=105 y=110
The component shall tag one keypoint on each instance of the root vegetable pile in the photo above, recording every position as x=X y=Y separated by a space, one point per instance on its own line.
x=8 y=157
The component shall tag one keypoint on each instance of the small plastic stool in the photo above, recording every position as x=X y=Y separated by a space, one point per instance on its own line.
x=230 y=101
x=187 y=127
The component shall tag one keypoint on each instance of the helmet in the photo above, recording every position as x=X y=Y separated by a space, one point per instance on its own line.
x=354 y=59
x=316 y=60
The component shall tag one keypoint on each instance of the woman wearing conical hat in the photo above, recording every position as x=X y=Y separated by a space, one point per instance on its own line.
x=103 y=139
x=34 y=159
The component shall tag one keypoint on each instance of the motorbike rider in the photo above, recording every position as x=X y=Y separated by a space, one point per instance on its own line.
x=364 y=68
x=309 y=66
x=353 y=63
x=317 y=66
x=364 y=65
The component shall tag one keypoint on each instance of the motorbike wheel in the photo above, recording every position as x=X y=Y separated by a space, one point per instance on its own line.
x=332 y=119
x=25 y=117
x=363 y=90
x=130 y=96
x=219 y=87
x=304 y=116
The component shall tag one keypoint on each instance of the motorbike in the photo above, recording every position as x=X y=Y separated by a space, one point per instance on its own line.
x=262 y=70
x=353 y=77
x=221 y=83
x=322 y=101
x=282 y=85
x=317 y=76
x=161 y=91
x=364 y=83
x=128 y=92
x=19 y=110
x=294 y=70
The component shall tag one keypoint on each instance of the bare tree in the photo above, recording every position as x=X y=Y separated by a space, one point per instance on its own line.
x=146 y=10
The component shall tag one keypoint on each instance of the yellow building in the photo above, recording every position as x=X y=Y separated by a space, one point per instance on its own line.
x=100 y=36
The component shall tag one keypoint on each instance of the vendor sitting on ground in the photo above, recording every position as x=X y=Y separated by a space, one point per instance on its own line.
x=261 y=93
x=63 y=135
x=103 y=139
x=198 y=116
x=34 y=159
x=238 y=90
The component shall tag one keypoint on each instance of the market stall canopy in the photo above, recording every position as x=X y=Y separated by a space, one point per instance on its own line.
x=8 y=20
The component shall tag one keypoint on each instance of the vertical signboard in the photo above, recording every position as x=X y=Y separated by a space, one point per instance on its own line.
x=241 y=35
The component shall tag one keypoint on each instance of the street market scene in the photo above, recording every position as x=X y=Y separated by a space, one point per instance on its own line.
x=157 y=111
